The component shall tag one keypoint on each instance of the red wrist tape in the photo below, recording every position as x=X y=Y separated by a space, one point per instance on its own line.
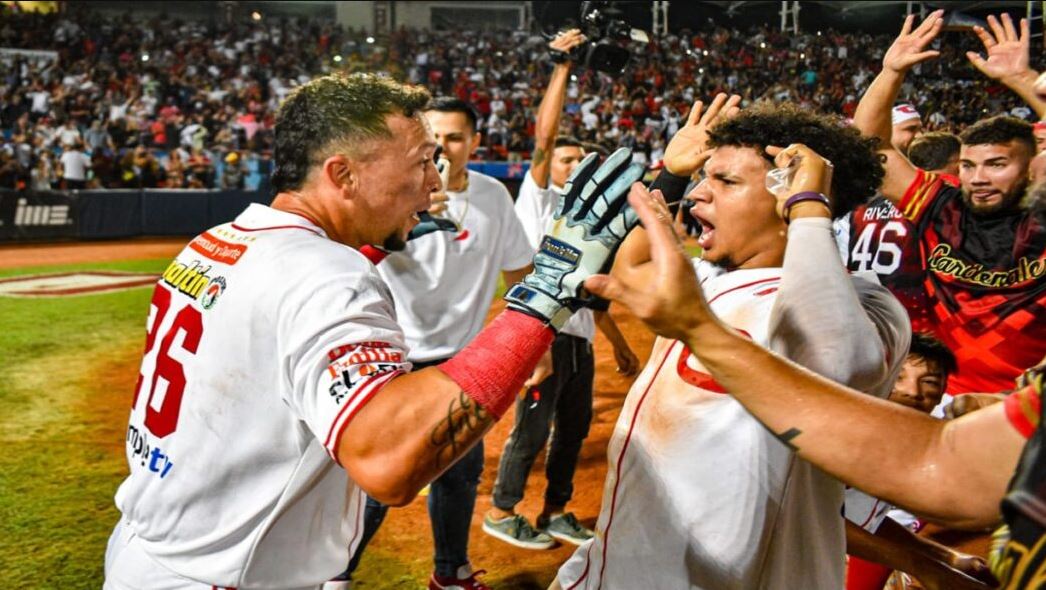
x=492 y=368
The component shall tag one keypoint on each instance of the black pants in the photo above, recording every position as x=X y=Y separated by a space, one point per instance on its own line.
x=564 y=401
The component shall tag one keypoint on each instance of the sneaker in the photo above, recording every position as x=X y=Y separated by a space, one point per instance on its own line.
x=467 y=583
x=566 y=528
x=515 y=530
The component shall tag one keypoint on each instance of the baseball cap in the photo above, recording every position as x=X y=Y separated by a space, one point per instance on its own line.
x=1039 y=126
x=904 y=112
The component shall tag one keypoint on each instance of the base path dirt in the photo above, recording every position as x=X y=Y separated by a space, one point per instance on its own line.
x=403 y=545
x=18 y=255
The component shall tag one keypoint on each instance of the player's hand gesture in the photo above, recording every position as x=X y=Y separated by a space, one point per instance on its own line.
x=627 y=362
x=684 y=151
x=910 y=46
x=663 y=293
x=813 y=173
x=566 y=41
x=1007 y=51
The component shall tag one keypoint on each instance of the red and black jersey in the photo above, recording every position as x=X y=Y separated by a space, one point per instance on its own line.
x=880 y=239
x=986 y=281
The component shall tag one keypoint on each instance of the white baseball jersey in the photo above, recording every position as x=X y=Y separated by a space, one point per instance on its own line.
x=443 y=282
x=264 y=340
x=535 y=207
x=865 y=511
x=699 y=494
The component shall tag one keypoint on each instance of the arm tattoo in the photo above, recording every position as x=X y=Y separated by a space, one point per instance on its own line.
x=539 y=156
x=464 y=423
x=787 y=436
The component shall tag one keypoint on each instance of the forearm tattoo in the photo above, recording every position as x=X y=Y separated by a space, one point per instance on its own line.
x=464 y=423
x=539 y=156
x=787 y=436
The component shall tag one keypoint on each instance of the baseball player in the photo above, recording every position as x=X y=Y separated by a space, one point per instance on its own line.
x=443 y=284
x=275 y=387
x=698 y=493
x=987 y=466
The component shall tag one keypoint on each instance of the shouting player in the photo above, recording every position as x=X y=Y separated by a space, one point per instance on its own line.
x=698 y=494
x=275 y=388
x=888 y=450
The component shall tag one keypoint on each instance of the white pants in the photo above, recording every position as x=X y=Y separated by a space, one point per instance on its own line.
x=129 y=567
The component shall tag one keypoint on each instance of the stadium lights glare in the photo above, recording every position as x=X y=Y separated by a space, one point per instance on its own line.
x=145 y=57
x=700 y=70
x=256 y=15
x=337 y=58
x=762 y=46
x=802 y=56
x=706 y=53
x=370 y=39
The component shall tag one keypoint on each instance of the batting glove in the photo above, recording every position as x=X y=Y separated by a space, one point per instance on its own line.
x=592 y=219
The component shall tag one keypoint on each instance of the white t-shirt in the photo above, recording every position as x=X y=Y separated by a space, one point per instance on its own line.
x=443 y=283
x=699 y=494
x=265 y=338
x=75 y=165
x=535 y=207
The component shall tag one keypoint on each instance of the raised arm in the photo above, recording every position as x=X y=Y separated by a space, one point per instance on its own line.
x=547 y=124
x=1008 y=59
x=872 y=117
x=685 y=155
x=889 y=452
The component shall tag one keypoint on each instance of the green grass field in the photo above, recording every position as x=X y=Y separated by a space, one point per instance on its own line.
x=66 y=379
x=62 y=454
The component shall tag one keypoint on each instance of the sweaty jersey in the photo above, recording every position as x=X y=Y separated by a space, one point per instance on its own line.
x=876 y=237
x=986 y=280
x=699 y=494
x=264 y=340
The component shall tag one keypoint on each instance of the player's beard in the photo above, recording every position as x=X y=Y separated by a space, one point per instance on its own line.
x=1009 y=202
x=394 y=243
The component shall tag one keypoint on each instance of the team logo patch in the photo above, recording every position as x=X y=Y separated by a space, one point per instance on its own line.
x=210 y=295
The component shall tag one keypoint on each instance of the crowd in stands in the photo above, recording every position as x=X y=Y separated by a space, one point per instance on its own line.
x=172 y=103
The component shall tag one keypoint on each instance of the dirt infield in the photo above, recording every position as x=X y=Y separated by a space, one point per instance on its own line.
x=17 y=255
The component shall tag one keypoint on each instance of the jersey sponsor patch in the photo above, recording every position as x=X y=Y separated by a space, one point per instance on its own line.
x=216 y=249
x=194 y=280
x=354 y=364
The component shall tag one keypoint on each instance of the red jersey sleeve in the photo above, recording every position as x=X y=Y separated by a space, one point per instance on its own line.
x=920 y=194
x=1023 y=409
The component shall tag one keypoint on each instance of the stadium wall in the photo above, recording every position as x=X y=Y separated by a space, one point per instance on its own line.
x=125 y=213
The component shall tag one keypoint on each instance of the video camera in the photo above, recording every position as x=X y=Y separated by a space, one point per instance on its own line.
x=608 y=35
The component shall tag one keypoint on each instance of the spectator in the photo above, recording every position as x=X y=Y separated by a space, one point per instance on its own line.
x=140 y=169
x=936 y=151
x=175 y=170
x=43 y=177
x=73 y=166
x=986 y=317
x=234 y=173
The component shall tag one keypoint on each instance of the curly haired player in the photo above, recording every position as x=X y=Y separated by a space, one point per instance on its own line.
x=698 y=494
